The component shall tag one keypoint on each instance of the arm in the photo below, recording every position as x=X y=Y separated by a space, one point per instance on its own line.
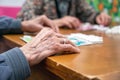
x=14 y=65
x=85 y=12
x=9 y=25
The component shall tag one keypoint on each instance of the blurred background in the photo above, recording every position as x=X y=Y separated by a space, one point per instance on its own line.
x=112 y=7
x=10 y=7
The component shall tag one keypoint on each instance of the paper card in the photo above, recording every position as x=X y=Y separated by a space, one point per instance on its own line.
x=80 y=39
x=26 y=38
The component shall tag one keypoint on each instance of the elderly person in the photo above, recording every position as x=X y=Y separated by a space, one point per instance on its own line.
x=64 y=12
x=15 y=63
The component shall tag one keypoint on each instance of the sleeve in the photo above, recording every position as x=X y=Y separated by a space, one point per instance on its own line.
x=85 y=12
x=31 y=9
x=13 y=65
x=9 y=25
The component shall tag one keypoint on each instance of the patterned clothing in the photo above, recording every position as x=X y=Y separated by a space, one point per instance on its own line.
x=53 y=9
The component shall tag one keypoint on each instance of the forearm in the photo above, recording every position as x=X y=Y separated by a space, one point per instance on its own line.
x=85 y=12
x=58 y=22
x=9 y=25
x=17 y=63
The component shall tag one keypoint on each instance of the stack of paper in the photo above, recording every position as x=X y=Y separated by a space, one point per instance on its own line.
x=80 y=39
x=114 y=30
x=106 y=29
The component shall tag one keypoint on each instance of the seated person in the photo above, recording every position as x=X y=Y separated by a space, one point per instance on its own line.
x=15 y=63
x=68 y=13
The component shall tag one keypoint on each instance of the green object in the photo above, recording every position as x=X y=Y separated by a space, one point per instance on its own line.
x=26 y=38
x=112 y=7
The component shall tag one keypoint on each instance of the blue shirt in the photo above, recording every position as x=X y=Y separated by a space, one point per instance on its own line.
x=9 y=25
x=13 y=64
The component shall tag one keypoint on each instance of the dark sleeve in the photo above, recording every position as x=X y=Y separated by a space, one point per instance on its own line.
x=85 y=12
x=9 y=25
x=13 y=65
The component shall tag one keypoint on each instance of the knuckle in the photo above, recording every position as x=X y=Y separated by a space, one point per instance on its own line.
x=56 y=46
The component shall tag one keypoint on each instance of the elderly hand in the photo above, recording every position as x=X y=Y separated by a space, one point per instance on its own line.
x=46 y=43
x=68 y=21
x=35 y=25
x=103 y=19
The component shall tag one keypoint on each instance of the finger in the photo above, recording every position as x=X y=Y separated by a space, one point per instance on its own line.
x=56 y=28
x=48 y=43
x=60 y=35
x=108 y=20
x=69 y=48
x=69 y=42
x=99 y=20
x=66 y=41
x=75 y=22
x=68 y=24
x=105 y=19
x=53 y=26
x=48 y=22
x=47 y=53
x=78 y=23
x=41 y=35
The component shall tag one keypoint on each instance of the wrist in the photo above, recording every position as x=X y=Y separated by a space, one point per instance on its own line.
x=25 y=53
x=23 y=26
x=95 y=18
x=59 y=22
x=31 y=56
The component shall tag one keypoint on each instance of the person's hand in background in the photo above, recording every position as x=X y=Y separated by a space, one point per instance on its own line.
x=68 y=21
x=103 y=19
x=47 y=43
x=36 y=24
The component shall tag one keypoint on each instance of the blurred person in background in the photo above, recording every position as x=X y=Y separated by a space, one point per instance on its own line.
x=68 y=13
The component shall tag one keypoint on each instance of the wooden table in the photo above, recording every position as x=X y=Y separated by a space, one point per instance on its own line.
x=99 y=60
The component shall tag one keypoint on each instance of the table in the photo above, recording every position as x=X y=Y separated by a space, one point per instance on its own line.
x=94 y=62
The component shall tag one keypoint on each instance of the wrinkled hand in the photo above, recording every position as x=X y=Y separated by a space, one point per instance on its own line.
x=46 y=43
x=68 y=21
x=103 y=19
x=35 y=25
